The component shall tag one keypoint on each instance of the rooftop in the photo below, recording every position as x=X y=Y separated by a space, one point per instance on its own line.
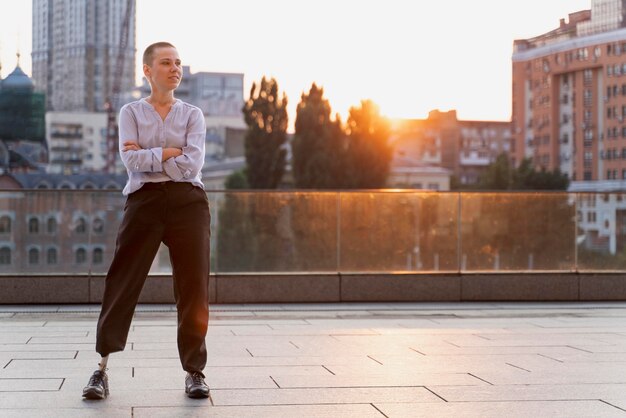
x=322 y=360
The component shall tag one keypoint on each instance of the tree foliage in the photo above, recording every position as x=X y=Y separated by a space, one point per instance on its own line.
x=318 y=146
x=265 y=113
x=369 y=153
x=237 y=180
x=501 y=176
x=328 y=155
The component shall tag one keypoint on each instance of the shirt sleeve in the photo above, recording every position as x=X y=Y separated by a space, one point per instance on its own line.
x=189 y=164
x=145 y=160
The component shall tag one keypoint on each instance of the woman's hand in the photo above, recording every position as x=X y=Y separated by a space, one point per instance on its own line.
x=171 y=153
x=131 y=146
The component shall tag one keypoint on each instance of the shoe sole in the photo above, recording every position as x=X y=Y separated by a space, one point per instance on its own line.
x=95 y=395
x=196 y=394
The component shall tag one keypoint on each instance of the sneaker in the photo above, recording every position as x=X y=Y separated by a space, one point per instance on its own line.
x=195 y=387
x=98 y=386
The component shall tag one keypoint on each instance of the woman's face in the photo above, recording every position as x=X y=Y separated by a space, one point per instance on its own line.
x=166 y=70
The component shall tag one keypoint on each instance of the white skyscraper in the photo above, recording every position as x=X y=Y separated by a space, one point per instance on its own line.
x=76 y=46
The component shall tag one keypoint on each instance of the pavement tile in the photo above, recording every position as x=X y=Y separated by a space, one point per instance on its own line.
x=29 y=385
x=37 y=355
x=46 y=347
x=322 y=396
x=400 y=379
x=66 y=413
x=539 y=392
x=565 y=409
x=309 y=411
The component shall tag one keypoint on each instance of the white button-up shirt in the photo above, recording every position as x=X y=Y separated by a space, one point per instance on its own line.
x=184 y=128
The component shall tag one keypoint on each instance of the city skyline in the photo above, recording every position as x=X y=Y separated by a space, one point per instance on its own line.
x=410 y=63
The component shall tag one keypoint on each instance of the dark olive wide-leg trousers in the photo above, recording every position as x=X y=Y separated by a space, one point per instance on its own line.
x=176 y=214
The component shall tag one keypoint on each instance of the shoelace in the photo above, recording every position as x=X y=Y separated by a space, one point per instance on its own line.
x=96 y=379
x=197 y=379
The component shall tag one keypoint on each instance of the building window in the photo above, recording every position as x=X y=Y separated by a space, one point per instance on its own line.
x=33 y=226
x=33 y=256
x=587 y=175
x=98 y=226
x=81 y=256
x=52 y=226
x=591 y=217
x=5 y=256
x=5 y=225
x=98 y=256
x=81 y=226
x=52 y=256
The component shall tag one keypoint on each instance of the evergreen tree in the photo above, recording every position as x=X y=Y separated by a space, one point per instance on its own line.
x=317 y=146
x=266 y=116
x=369 y=153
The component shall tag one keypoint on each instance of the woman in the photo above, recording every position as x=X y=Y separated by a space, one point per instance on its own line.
x=162 y=147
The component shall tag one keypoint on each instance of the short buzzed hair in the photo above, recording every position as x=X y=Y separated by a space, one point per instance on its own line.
x=148 y=54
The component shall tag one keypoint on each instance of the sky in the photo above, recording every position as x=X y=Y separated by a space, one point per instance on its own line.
x=408 y=56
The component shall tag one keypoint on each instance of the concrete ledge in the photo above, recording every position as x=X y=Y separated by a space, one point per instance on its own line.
x=400 y=288
x=81 y=289
x=157 y=289
x=603 y=286
x=49 y=289
x=520 y=287
x=259 y=288
x=334 y=287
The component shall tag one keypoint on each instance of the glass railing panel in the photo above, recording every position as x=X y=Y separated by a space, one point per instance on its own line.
x=601 y=231
x=107 y=209
x=45 y=232
x=106 y=216
x=216 y=201
x=517 y=231
x=403 y=231
x=276 y=232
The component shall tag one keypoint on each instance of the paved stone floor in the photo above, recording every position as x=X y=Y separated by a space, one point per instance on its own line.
x=328 y=360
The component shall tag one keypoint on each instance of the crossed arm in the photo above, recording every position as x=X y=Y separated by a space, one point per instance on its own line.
x=177 y=163
x=166 y=155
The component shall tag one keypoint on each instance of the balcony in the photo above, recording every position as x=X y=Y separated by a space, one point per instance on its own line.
x=293 y=246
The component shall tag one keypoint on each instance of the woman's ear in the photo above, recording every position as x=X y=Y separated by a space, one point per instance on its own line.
x=146 y=71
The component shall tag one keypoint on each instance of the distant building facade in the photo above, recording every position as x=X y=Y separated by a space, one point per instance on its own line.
x=569 y=96
x=76 y=142
x=217 y=94
x=75 y=49
x=462 y=148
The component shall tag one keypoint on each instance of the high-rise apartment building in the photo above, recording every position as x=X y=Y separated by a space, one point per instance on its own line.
x=76 y=45
x=569 y=95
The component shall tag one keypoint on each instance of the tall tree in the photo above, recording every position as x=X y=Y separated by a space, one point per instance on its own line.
x=369 y=152
x=317 y=146
x=265 y=113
